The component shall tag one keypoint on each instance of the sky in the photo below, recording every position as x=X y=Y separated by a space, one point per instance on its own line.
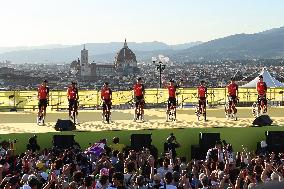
x=40 y=22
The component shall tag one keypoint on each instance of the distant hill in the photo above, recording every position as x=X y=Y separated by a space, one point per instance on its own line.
x=97 y=51
x=267 y=44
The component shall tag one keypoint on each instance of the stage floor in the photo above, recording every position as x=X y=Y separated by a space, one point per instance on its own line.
x=25 y=122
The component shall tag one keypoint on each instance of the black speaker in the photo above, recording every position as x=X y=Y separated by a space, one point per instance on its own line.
x=263 y=120
x=63 y=141
x=195 y=152
x=138 y=141
x=64 y=125
x=275 y=141
x=207 y=141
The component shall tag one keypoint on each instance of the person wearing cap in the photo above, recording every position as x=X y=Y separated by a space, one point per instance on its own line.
x=43 y=95
x=139 y=92
x=72 y=95
x=106 y=97
x=172 y=96
x=233 y=93
x=261 y=88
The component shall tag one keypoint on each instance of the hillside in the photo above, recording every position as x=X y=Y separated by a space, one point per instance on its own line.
x=267 y=44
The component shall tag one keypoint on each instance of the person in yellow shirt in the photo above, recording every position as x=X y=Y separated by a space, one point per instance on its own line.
x=116 y=145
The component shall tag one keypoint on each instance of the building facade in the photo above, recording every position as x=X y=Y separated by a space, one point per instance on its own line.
x=125 y=63
x=85 y=65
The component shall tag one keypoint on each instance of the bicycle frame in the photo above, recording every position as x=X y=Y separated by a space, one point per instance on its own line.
x=201 y=109
x=230 y=108
x=139 y=111
x=40 y=115
x=107 y=113
x=262 y=105
x=172 y=112
x=74 y=111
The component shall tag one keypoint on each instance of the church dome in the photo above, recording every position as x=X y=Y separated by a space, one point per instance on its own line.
x=125 y=55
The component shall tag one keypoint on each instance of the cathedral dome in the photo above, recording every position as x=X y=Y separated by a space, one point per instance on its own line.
x=125 y=56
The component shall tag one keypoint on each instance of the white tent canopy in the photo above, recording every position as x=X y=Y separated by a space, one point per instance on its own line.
x=267 y=78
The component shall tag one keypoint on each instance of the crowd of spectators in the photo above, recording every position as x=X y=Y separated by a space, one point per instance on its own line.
x=116 y=167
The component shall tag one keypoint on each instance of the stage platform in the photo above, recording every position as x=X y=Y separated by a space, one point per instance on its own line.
x=21 y=125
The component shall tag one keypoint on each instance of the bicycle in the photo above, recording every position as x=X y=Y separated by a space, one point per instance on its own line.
x=201 y=110
x=139 y=112
x=230 y=109
x=40 y=115
x=171 y=113
x=106 y=113
x=74 y=109
x=259 y=108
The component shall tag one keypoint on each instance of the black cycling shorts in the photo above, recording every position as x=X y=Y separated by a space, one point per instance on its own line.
x=172 y=101
x=202 y=101
x=107 y=104
x=263 y=97
x=231 y=99
x=139 y=100
x=42 y=102
x=73 y=103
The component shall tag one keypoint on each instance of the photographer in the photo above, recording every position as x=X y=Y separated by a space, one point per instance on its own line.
x=171 y=145
x=33 y=146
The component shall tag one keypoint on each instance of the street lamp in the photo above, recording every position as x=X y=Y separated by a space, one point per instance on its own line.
x=160 y=67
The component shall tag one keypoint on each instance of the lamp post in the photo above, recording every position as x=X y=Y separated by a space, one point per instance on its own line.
x=160 y=67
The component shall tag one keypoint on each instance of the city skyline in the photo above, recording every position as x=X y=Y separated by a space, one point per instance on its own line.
x=33 y=23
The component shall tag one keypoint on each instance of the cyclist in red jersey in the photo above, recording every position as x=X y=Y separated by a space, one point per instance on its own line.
x=139 y=92
x=202 y=95
x=43 y=95
x=172 y=94
x=261 y=88
x=106 y=96
x=233 y=92
x=72 y=95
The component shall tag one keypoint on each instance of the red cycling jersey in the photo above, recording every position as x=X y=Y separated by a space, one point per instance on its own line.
x=261 y=88
x=106 y=93
x=138 y=89
x=172 y=91
x=72 y=93
x=232 y=89
x=202 y=90
x=43 y=92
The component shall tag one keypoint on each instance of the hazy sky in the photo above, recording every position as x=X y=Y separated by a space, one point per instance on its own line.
x=37 y=22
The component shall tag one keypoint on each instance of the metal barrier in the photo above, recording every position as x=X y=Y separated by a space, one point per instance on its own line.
x=91 y=98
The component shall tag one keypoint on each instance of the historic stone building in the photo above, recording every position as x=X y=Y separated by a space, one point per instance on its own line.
x=125 y=63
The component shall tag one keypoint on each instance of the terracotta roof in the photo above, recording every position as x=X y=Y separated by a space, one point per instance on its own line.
x=125 y=55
